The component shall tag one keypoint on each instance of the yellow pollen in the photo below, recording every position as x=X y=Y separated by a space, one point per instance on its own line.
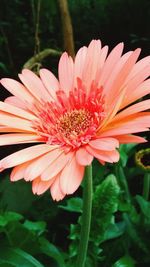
x=74 y=122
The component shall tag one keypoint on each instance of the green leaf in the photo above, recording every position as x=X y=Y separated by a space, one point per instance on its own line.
x=38 y=227
x=105 y=203
x=114 y=230
x=16 y=197
x=8 y=217
x=125 y=261
x=73 y=205
x=51 y=251
x=125 y=151
x=17 y=257
x=124 y=206
x=144 y=206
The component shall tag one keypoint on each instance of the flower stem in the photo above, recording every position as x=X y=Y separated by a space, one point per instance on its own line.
x=86 y=218
x=146 y=186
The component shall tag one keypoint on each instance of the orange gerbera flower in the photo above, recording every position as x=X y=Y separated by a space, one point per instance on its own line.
x=87 y=113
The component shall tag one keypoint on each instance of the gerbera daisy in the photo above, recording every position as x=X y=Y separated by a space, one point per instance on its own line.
x=83 y=114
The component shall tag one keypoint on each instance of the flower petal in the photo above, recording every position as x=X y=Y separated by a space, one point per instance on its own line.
x=79 y=62
x=55 y=189
x=71 y=177
x=66 y=72
x=125 y=139
x=115 y=88
x=142 y=90
x=56 y=166
x=18 y=171
x=131 y=124
x=15 y=101
x=17 y=89
x=91 y=63
x=106 y=144
x=39 y=186
x=107 y=156
x=34 y=84
x=17 y=138
x=19 y=112
x=24 y=155
x=83 y=157
x=110 y=62
x=15 y=122
x=141 y=106
x=50 y=82
x=38 y=166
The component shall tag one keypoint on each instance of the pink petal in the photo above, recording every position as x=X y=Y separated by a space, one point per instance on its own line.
x=79 y=62
x=107 y=156
x=71 y=177
x=125 y=139
x=15 y=122
x=50 y=82
x=14 y=101
x=113 y=109
x=138 y=67
x=56 y=192
x=142 y=90
x=66 y=72
x=39 y=187
x=106 y=144
x=116 y=87
x=17 y=89
x=38 y=166
x=131 y=124
x=91 y=63
x=16 y=111
x=83 y=157
x=24 y=155
x=136 y=81
x=18 y=172
x=5 y=129
x=34 y=85
x=17 y=138
x=56 y=166
x=110 y=62
x=141 y=106
x=115 y=71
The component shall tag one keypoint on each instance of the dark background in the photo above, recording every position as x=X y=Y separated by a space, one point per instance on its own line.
x=111 y=21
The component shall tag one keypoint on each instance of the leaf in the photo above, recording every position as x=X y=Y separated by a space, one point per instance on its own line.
x=17 y=257
x=144 y=206
x=16 y=196
x=105 y=203
x=125 y=261
x=123 y=158
x=51 y=251
x=114 y=230
x=38 y=227
x=123 y=206
x=73 y=205
x=8 y=217
x=125 y=152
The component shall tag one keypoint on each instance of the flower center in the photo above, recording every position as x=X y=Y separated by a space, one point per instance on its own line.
x=74 y=122
x=70 y=121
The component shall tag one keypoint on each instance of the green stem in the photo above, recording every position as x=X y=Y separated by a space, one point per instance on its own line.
x=146 y=186
x=86 y=218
